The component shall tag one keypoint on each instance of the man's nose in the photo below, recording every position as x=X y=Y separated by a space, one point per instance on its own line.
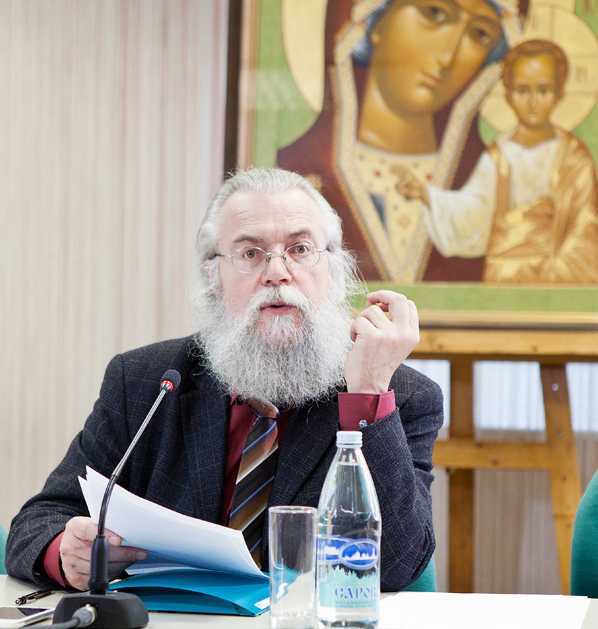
x=276 y=272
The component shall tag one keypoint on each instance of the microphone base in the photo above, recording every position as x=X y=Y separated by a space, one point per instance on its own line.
x=115 y=610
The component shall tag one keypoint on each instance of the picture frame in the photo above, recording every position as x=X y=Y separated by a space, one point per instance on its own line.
x=271 y=104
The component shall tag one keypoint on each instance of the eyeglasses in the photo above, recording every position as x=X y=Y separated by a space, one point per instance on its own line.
x=250 y=259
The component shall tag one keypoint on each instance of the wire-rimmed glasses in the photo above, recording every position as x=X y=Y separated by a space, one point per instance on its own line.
x=251 y=258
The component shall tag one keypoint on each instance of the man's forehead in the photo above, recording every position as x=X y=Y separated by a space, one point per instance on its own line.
x=265 y=215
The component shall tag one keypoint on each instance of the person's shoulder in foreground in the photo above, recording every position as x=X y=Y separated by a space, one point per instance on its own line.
x=275 y=330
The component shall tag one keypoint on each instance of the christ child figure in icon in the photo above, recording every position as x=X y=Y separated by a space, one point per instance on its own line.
x=531 y=204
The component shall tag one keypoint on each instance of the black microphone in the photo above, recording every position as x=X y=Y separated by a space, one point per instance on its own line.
x=115 y=610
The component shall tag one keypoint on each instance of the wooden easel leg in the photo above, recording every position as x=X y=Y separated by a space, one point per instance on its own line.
x=564 y=475
x=461 y=530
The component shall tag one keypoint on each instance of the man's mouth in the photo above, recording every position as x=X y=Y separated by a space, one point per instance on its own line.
x=278 y=307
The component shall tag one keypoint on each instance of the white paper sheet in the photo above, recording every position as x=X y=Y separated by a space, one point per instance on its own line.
x=427 y=610
x=172 y=536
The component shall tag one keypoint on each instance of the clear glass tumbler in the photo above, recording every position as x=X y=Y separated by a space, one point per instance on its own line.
x=292 y=548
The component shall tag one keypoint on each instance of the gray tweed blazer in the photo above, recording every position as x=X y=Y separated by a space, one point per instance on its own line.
x=180 y=460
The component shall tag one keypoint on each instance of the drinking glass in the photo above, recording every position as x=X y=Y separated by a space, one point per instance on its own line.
x=292 y=548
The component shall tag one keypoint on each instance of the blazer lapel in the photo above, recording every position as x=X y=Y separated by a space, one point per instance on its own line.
x=307 y=437
x=203 y=412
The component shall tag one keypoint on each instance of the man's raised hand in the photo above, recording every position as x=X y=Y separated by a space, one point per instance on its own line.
x=383 y=335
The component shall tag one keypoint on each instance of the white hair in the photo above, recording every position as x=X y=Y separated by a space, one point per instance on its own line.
x=291 y=362
x=274 y=181
x=287 y=364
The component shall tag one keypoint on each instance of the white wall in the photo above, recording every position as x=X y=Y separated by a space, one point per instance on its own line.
x=111 y=125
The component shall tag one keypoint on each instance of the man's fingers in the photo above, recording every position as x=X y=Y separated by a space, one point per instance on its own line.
x=400 y=313
x=80 y=551
x=81 y=528
x=75 y=565
x=361 y=326
x=76 y=570
x=113 y=538
x=413 y=315
x=85 y=530
x=72 y=544
x=386 y=332
x=78 y=581
x=383 y=296
x=123 y=554
x=393 y=303
x=375 y=315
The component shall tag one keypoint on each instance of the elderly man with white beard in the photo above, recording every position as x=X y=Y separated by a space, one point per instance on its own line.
x=277 y=366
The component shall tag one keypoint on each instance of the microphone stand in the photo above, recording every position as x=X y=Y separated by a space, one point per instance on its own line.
x=114 y=610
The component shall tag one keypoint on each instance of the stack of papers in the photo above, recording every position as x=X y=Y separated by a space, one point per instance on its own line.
x=192 y=565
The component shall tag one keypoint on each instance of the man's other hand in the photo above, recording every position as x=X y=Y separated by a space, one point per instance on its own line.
x=384 y=334
x=75 y=552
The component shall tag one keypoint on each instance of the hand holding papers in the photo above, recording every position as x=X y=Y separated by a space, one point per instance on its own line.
x=201 y=562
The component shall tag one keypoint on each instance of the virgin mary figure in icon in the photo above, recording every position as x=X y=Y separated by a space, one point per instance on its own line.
x=531 y=203
x=404 y=80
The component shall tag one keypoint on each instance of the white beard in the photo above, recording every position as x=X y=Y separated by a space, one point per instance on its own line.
x=285 y=362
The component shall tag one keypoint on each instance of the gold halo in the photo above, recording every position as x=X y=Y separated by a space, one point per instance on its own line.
x=302 y=25
x=575 y=37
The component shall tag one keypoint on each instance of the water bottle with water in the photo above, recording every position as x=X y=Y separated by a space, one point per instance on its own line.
x=348 y=543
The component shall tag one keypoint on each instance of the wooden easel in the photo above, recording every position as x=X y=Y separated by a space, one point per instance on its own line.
x=461 y=454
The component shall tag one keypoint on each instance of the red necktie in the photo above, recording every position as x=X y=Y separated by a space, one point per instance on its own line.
x=257 y=469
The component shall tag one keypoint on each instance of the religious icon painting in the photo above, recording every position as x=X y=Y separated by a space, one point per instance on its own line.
x=457 y=139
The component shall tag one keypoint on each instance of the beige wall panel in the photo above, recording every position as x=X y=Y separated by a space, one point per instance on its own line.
x=111 y=125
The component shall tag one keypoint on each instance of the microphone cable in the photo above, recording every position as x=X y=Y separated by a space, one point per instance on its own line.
x=83 y=617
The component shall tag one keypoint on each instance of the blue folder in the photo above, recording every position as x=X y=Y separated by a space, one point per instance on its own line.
x=199 y=591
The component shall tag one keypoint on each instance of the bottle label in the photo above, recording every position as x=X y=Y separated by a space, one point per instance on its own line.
x=348 y=572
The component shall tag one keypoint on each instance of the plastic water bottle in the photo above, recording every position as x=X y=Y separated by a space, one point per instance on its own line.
x=348 y=544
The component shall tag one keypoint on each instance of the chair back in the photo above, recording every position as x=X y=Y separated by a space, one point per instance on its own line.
x=2 y=550
x=584 y=551
x=426 y=582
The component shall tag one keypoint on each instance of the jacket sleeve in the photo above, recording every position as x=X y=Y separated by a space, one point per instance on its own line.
x=398 y=450
x=100 y=445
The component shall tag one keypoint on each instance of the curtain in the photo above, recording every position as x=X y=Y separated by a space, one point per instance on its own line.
x=111 y=127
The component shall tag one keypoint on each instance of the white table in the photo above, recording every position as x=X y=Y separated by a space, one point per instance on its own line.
x=12 y=588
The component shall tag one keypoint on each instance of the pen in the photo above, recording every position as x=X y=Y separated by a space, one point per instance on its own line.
x=33 y=596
